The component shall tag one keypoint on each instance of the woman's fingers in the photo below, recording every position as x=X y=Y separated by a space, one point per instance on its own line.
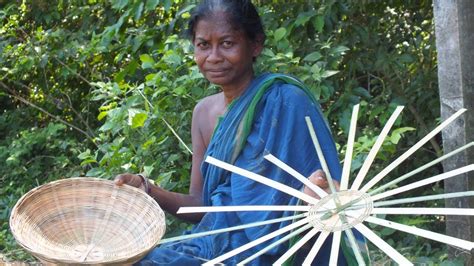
x=129 y=179
x=319 y=179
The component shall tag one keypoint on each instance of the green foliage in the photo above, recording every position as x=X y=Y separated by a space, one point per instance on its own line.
x=93 y=87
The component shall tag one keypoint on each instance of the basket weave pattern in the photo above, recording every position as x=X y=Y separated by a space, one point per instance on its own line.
x=87 y=221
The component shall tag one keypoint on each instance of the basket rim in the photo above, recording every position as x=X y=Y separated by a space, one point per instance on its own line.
x=47 y=257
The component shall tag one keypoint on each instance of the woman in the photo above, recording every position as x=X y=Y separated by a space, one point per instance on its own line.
x=251 y=117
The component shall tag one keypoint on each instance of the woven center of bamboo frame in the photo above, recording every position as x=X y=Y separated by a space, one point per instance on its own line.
x=340 y=211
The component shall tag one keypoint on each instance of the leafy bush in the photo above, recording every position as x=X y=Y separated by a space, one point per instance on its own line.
x=95 y=87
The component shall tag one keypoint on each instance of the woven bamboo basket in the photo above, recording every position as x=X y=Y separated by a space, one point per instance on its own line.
x=87 y=221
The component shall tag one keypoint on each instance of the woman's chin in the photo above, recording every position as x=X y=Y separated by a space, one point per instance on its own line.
x=219 y=80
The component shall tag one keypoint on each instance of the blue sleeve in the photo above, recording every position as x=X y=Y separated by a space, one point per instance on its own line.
x=280 y=129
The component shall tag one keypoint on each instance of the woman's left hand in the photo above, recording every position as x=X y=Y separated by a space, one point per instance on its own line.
x=319 y=179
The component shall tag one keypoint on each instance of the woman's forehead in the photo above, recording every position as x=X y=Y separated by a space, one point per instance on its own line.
x=216 y=27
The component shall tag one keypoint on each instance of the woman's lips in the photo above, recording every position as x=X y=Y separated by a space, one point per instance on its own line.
x=215 y=72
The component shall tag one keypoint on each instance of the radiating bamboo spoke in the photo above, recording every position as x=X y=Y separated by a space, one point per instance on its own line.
x=355 y=247
x=320 y=154
x=381 y=244
x=375 y=149
x=257 y=242
x=296 y=246
x=276 y=243
x=320 y=192
x=410 y=151
x=460 y=243
x=423 y=198
x=261 y=179
x=303 y=225
x=424 y=211
x=178 y=239
x=424 y=182
x=419 y=169
x=336 y=243
x=299 y=208
x=316 y=247
x=346 y=169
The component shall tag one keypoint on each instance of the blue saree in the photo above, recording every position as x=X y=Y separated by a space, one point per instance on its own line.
x=269 y=117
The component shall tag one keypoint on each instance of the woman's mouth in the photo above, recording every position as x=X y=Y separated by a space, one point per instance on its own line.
x=217 y=72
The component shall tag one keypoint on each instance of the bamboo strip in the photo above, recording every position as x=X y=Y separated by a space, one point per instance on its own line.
x=316 y=247
x=320 y=154
x=276 y=243
x=167 y=124
x=299 y=208
x=416 y=171
x=355 y=247
x=426 y=211
x=261 y=179
x=95 y=238
x=381 y=244
x=346 y=169
x=424 y=182
x=424 y=198
x=325 y=167
x=320 y=192
x=375 y=149
x=460 y=243
x=229 y=229
x=410 y=151
x=295 y=247
x=257 y=242
x=336 y=242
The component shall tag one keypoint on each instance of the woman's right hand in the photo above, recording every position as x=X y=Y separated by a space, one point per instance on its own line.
x=129 y=179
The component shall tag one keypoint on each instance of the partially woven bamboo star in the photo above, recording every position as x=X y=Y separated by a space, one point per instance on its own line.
x=340 y=211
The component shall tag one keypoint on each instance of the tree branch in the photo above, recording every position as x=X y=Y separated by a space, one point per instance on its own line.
x=18 y=97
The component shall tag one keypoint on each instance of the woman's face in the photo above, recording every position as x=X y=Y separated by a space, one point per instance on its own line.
x=224 y=55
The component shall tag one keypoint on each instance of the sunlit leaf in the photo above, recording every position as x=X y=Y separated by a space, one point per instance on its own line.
x=279 y=34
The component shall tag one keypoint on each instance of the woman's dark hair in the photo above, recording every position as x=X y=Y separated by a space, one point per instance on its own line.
x=242 y=15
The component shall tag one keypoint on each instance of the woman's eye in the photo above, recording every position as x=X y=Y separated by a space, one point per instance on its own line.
x=227 y=44
x=203 y=45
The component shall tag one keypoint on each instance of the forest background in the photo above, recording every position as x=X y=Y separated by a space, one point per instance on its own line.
x=94 y=87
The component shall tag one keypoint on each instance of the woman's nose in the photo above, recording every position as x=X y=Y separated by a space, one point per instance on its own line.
x=214 y=56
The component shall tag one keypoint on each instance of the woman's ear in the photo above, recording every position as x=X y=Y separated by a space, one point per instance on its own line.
x=258 y=45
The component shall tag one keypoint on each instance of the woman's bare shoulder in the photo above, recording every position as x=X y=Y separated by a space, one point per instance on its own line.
x=208 y=104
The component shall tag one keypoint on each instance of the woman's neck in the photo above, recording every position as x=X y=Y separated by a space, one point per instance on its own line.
x=233 y=92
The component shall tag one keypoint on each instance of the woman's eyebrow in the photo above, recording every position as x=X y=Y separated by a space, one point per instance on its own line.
x=200 y=39
x=227 y=36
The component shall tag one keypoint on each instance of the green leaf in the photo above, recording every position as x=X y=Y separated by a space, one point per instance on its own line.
x=315 y=69
x=95 y=172
x=136 y=119
x=341 y=49
x=147 y=170
x=167 y=4
x=139 y=11
x=302 y=19
x=151 y=5
x=139 y=120
x=279 y=34
x=119 y=4
x=319 y=23
x=101 y=115
x=406 y=58
x=312 y=57
x=362 y=92
x=328 y=73
x=147 y=61
x=398 y=133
